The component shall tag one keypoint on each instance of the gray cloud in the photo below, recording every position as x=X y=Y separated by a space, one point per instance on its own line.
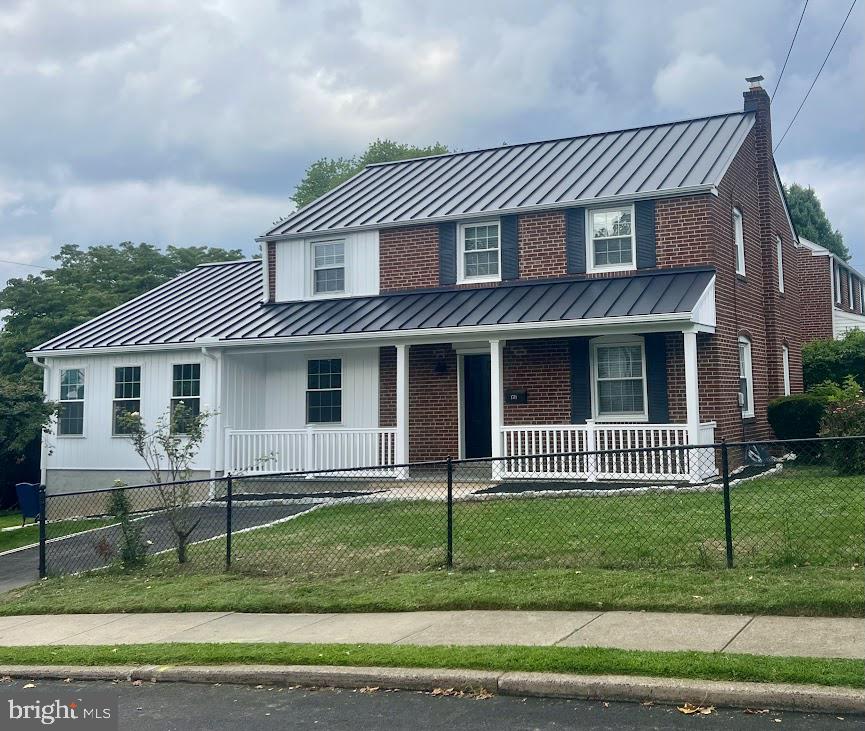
x=190 y=122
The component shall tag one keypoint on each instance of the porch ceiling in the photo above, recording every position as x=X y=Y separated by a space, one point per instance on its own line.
x=221 y=304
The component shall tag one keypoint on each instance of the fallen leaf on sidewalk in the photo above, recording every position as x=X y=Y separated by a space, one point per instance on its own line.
x=136 y=682
x=690 y=709
x=30 y=685
x=368 y=689
x=756 y=711
x=483 y=695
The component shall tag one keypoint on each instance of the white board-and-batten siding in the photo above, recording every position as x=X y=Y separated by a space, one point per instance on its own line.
x=259 y=391
x=294 y=266
x=97 y=448
x=268 y=391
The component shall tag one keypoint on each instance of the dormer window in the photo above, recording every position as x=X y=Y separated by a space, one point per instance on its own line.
x=611 y=239
x=480 y=251
x=328 y=267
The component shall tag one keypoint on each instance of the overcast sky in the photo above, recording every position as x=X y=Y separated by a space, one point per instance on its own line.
x=191 y=121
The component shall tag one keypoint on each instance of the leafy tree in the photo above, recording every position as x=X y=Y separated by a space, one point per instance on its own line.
x=85 y=284
x=24 y=412
x=327 y=173
x=811 y=220
x=834 y=360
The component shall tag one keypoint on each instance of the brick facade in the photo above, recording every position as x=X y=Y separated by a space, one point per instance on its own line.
x=408 y=258
x=816 y=275
x=543 y=368
x=541 y=241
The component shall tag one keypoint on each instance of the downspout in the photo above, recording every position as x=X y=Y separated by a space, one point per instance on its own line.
x=43 y=445
x=216 y=400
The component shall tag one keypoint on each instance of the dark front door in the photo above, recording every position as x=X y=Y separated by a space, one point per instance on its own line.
x=476 y=402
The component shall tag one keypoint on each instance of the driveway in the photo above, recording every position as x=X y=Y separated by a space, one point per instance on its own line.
x=87 y=550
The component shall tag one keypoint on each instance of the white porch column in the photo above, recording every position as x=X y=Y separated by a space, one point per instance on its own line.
x=401 y=453
x=692 y=389
x=497 y=399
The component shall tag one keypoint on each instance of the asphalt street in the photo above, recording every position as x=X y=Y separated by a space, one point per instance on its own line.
x=215 y=707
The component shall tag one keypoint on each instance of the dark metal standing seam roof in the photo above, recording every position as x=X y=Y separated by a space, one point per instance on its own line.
x=224 y=302
x=634 y=162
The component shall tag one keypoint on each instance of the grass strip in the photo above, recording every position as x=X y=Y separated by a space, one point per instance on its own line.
x=802 y=591
x=577 y=660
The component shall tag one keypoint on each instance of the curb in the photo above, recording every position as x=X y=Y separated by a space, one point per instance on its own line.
x=732 y=694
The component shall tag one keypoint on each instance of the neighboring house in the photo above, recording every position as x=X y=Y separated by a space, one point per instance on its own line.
x=832 y=294
x=622 y=289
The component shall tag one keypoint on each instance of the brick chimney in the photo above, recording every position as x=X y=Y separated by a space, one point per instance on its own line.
x=757 y=100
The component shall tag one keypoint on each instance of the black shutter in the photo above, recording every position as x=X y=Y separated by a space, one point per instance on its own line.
x=656 y=377
x=447 y=253
x=644 y=220
x=575 y=240
x=581 y=381
x=510 y=248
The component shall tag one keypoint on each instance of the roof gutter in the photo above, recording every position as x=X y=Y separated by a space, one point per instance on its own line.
x=556 y=206
x=677 y=321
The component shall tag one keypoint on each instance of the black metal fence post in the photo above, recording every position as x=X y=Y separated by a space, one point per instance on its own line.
x=229 y=495
x=450 y=550
x=43 y=572
x=728 y=523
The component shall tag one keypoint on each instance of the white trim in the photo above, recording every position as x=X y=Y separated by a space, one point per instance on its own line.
x=312 y=269
x=591 y=267
x=265 y=274
x=850 y=299
x=838 y=298
x=779 y=257
x=401 y=448
x=692 y=387
x=748 y=375
x=739 y=240
x=461 y=252
x=785 y=363
x=461 y=406
x=497 y=397
x=555 y=206
x=613 y=341
x=114 y=399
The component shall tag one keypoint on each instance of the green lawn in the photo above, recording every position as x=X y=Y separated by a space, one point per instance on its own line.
x=594 y=661
x=804 y=516
x=816 y=591
x=29 y=534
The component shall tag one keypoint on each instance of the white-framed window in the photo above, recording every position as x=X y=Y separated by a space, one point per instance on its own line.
x=746 y=378
x=837 y=280
x=779 y=255
x=127 y=397
x=70 y=416
x=328 y=267
x=611 y=238
x=861 y=297
x=785 y=355
x=479 y=252
x=324 y=391
x=850 y=291
x=619 y=379
x=739 y=240
x=186 y=390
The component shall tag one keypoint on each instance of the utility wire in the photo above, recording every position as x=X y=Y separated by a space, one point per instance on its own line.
x=787 y=58
x=23 y=264
x=819 y=71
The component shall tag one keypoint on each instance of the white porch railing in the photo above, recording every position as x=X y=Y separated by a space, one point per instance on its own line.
x=263 y=451
x=534 y=445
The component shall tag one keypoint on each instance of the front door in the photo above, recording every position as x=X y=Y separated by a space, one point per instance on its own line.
x=476 y=406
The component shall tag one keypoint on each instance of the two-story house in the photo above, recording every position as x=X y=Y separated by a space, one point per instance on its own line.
x=832 y=294
x=633 y=288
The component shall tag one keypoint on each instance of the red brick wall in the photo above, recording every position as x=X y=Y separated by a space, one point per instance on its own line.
x=387 y=387
x=542 y=245
x=543 y=368
x=433 y=407
x=408 y=258
x=683 y=232
x=816 y=281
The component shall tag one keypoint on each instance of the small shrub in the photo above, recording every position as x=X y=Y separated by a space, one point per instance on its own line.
x=845 y=417
x=797 y=416
x=133 y=549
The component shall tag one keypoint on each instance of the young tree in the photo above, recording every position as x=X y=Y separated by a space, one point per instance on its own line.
x=811 y=220
x=168 y=451
x=327 y=173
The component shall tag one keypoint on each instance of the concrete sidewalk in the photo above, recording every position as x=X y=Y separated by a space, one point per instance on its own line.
x=784 y=636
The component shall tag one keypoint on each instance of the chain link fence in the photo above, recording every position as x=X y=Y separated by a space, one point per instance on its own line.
x=759 y=504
